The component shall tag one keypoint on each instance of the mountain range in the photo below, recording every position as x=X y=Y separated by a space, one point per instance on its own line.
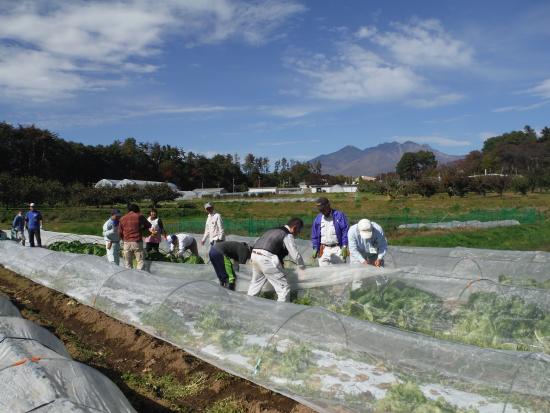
x=352 y=161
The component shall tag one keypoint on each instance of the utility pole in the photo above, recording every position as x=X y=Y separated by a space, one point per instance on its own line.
x=259 y=181
x=233 y=184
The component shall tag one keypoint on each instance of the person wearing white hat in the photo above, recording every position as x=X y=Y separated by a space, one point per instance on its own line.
x=367 y=243
x=214 y=226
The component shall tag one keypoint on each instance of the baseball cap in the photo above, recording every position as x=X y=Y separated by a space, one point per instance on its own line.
x=208 y=205
x=116 y=212
x=365 y=228
x=321 y=202
x=32 y=204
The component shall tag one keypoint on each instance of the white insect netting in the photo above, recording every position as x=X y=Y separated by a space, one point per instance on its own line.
x=333 y=361
x=38 y=375
x=462 y=224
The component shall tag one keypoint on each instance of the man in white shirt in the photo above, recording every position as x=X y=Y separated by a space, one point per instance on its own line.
x=367 y=243
x=214 y=226
x=182 y=242
x=267 y=258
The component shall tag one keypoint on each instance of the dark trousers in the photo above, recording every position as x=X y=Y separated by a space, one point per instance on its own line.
x=34 y=233
x=150 y=246
x=216 y=258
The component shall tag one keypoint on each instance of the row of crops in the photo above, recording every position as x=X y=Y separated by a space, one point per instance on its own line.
x=466 y=331
x=91 y=248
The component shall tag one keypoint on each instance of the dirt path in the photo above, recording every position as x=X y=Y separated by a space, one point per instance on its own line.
x=155 y=376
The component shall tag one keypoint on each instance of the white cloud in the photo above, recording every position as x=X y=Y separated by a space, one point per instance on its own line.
x=435 y=140
x=436 y=101
x=542 y=89
x=290 y=112
x=521 y=108
x=366 y=32
x=424 y=43
x=356 y=74
x=60 y=48
x=379 y=66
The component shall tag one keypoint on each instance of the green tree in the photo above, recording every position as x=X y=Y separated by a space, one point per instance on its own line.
x=158 y=193
x=413 y=164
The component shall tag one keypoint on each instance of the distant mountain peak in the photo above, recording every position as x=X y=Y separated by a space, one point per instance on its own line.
x=352 y=161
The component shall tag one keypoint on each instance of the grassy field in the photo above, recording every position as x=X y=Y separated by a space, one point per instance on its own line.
x=534 y=233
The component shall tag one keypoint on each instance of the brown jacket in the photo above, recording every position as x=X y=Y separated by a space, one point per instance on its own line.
x=131 y=227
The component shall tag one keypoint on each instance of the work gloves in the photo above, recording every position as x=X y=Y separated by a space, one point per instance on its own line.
x=344 y=252
x=315 y=254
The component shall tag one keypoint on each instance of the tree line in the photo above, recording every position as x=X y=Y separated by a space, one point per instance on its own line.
x=517 y=161
x=39 y=165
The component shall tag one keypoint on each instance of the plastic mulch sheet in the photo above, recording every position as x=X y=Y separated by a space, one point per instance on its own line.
x=37 y=373
x=330 y=360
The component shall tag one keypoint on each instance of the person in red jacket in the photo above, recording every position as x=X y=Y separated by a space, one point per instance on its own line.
x=131 y=229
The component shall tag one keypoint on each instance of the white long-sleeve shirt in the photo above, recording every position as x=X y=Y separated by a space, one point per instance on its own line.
x=184 y=241
x=214 y=228
x=290 y=245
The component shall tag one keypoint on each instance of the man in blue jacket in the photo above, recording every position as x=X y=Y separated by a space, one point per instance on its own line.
x=33 y=222
x=329 y=235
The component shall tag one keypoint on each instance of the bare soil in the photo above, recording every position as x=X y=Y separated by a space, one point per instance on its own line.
x=138 y=362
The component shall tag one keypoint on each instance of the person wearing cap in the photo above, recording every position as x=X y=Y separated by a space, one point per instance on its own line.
x=267 y=258
x=34 y=222
x=131 y=228
x=156 y=231
x=179 y=243
x=224 y=255
x=213 y=230
x=367 y=243
x=329 y=234
x=112 y=237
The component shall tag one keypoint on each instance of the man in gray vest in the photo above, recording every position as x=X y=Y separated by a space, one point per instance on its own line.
x=267 y=258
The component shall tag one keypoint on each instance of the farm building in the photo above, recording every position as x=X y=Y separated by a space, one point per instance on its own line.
x=109 y=183
x=116 y=183
x=209 y=191
x=265 y=190
x=333 y=189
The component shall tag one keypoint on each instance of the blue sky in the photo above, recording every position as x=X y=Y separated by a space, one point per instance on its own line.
x=276 y=78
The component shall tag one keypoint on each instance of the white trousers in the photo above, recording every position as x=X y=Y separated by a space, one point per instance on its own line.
x=331 y=255
x=113 y=254
x=267 y=267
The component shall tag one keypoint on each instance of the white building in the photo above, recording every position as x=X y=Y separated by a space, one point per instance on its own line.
x=264 y=190
x=117 y=183
x=333 y=189
x=109 y=183
x=209 y=191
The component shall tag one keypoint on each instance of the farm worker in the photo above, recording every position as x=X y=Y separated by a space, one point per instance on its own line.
x=329 y=234
x=131 y=227
x=367 y=243
x=214 y=226
x=18 y=228
x=34 y=222
x=156 y=231
x=112 y=237
x=221 y=255
x=267 y=258
x=182 y=242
